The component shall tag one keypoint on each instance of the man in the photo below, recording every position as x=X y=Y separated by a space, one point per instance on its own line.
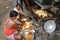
x=10 y=27
x=18 y=8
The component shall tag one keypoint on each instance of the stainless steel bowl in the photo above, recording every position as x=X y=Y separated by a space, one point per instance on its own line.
x=50 y=26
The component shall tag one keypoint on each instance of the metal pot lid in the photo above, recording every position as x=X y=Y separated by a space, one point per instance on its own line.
x=50 y=26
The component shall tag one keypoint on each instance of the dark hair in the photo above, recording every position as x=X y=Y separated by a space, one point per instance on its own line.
x=17 y=5
x=13 y=13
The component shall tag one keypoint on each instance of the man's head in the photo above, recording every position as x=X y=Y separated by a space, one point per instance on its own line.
x=18 y=6
x=13 y=14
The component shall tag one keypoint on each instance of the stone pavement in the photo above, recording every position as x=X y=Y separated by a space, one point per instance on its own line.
x=5 y=7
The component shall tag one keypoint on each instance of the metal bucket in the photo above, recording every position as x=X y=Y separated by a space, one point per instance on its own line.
x=28 y=35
